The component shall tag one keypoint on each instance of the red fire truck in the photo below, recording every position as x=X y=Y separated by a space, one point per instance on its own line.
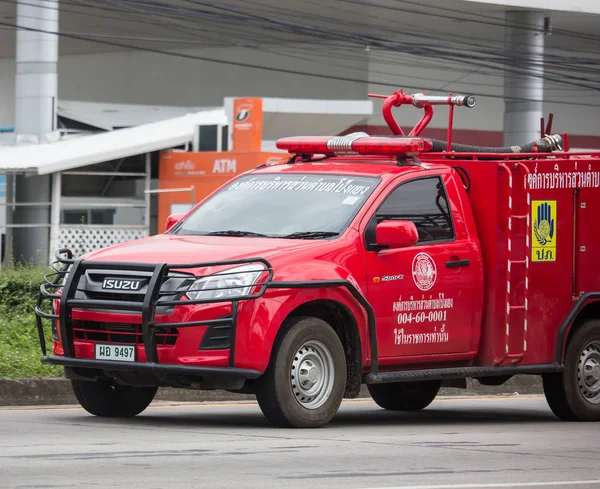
x=401 y=262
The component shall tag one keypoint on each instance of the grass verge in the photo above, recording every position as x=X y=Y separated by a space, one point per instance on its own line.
x=19 y=344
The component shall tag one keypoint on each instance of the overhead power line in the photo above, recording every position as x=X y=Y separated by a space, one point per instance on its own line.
x=261 y=67
x=254 y=26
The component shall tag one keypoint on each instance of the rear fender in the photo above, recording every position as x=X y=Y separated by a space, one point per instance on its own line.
x=587 y=307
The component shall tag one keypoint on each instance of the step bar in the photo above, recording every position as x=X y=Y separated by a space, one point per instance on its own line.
x=460 y=373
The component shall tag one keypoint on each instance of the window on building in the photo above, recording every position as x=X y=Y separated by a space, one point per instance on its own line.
x=102 y=216
x=422 y=201
x=89 y=216
x=75 y=216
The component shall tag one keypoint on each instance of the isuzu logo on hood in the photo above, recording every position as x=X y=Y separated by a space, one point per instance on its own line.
x=122 y=283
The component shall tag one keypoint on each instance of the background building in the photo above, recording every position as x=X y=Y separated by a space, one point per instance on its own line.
x=122 y=63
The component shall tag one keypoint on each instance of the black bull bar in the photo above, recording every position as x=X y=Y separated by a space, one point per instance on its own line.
x=63 y=284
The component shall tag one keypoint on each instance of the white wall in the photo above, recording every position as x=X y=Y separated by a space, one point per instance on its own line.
x=147 y=78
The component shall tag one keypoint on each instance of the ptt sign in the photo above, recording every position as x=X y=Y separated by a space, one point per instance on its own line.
x=224 y=166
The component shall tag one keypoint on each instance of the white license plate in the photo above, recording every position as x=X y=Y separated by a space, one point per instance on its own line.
x=121 y=353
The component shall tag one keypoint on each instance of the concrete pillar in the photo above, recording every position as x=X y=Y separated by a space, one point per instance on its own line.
x=55 y=212
x=9 y=236
x=524 y=52
x=31 y=243
x=35 y=118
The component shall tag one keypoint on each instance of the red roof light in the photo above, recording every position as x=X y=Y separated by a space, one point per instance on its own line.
x=383 y=146
x=353 y=144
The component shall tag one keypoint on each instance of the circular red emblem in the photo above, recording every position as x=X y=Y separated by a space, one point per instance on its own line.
x=424 y=271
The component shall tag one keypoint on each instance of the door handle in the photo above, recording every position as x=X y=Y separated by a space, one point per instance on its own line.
x=457 y=263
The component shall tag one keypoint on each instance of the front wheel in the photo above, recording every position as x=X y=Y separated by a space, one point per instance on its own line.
x=574 y=395
x=112 y=400
x=410 y=396
x=304 y=384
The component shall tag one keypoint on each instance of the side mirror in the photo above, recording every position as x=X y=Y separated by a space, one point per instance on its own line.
x=172 y=220
x=396 y=234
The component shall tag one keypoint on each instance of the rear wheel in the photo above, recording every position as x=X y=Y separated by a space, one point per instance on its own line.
x=304 y=384
x=574 y=395
x=112 y=400
x=410 y=396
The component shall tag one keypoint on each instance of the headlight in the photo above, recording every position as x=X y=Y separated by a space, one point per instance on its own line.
x=235 y=282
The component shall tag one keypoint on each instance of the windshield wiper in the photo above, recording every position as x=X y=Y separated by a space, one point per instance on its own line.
x=311 y=235
x=234 y=232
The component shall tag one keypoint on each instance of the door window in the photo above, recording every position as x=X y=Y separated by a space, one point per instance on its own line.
x=424 y=202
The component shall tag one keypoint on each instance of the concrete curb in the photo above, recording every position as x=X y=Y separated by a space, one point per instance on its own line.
x=57 y=391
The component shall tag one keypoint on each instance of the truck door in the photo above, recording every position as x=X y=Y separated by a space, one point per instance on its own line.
x=423 y=296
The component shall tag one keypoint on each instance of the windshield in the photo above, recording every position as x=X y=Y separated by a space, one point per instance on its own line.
x=275 y=205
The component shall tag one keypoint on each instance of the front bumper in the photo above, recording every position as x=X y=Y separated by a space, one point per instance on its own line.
x=156 y=369
x=65 y=287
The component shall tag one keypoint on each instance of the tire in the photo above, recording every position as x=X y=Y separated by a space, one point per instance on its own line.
x=111 y=400
x=410 y=396
x=574 y=395
x=311 y=397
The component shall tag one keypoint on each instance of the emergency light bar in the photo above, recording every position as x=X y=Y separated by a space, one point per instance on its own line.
x=358 y=143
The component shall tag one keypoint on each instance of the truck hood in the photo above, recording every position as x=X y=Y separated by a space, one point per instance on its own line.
x=175 y=249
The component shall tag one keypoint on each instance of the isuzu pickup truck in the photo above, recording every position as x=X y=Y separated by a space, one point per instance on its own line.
x=401 y=262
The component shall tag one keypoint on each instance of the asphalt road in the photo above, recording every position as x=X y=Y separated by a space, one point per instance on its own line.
x=454 y=444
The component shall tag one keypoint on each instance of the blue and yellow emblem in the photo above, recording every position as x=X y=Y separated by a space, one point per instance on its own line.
x=543 y=239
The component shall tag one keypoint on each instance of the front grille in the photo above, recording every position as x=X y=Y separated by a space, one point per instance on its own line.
x=120 y=333
x=173 y=287
x=114 y=296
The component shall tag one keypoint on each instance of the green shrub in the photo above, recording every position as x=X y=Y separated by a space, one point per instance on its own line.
x=19 y=344
x=19 y=286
